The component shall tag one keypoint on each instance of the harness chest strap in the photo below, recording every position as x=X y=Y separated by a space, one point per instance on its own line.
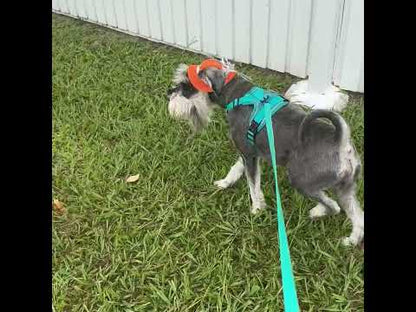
x=257 y=98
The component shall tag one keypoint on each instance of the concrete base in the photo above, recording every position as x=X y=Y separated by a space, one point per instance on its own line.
x=332 y=98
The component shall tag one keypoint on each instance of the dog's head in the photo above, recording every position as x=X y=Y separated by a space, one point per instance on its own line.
x=189 y=103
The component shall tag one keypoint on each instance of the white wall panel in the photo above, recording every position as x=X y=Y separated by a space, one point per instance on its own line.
x=242 y=30
x=193 y=16
x=320 y=38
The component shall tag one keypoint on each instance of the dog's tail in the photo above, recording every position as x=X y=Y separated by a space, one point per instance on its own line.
x=342 y=131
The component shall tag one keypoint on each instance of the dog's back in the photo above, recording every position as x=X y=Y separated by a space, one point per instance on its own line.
x=286 y=124
x=316 y=147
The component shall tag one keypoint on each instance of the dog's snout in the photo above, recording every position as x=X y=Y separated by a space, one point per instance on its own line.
x=171 y=90
x=169 y=93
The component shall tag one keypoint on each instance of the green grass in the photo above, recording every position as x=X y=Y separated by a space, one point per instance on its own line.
x=171 y=241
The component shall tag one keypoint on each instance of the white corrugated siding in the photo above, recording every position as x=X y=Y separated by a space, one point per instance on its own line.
x=283 y=35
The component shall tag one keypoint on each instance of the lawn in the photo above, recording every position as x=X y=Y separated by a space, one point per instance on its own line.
x=171 y=241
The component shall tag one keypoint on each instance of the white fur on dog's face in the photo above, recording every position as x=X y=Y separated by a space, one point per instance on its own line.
x=194 y=106
x=182 y=108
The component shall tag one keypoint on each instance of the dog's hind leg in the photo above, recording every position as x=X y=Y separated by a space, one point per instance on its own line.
x=326 y=206
x=233 y=175
x=253 y=174
x=349 y=203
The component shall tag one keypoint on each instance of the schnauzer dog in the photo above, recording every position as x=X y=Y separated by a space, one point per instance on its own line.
x=319 y=155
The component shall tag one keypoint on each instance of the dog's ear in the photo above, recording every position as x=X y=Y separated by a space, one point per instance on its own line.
x=214 y=77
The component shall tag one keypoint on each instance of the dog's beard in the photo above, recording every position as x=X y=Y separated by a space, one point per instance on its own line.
x=196 y=109
x=180 y=107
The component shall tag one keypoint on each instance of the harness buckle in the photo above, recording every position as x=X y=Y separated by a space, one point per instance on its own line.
x=252 y=131
x=253 y=126
x=265 y=99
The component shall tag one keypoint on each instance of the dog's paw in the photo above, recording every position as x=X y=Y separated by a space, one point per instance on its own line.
x=221 y=184
x=255 y=209
x=349 y=241
x=318 y=211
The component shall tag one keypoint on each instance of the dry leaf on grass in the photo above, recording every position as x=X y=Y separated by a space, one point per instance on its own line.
x=58 y=207
x=133 y=178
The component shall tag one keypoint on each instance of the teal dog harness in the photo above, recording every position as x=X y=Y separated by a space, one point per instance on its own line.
x=258 y=97
x=265 y=104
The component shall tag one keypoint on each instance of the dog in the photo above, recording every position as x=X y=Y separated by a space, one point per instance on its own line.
x=316 y=147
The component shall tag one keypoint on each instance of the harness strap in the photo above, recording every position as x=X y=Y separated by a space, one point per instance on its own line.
x=257 y=97
x=290 y=299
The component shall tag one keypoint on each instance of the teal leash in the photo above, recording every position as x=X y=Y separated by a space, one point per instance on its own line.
x=290 y=299
x=264 y=105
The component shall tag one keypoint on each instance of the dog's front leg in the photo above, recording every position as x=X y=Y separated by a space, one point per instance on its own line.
x=253 y=174
x=233 y=175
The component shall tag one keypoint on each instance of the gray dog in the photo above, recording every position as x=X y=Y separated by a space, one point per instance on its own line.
x=319 y=155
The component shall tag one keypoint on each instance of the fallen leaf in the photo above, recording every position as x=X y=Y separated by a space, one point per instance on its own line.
x=133 y=178
x=58 y=207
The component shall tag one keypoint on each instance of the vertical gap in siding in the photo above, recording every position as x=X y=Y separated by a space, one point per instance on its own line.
x=104 y=12
x=85 y=10
x=268 y=33
x=76 y=8
x=338 y=24
x=250 y=49
x=125 y=15
x=288 y=38
x=338 y=41
x=136 y=20
x=67 y=7
x=201 y=34
x=95 y=10
x=84 y=7
x=115 y=14
x=173 y=22
x=92 y=13
x=233 y=29
x=309 y=37
x=216 y=27
x=148 y=19
x=186 y=24
x=61 y=7
x=160 y=19
x=361 y=78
